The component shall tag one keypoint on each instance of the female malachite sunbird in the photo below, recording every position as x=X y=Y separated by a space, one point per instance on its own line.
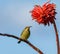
x=25 y=33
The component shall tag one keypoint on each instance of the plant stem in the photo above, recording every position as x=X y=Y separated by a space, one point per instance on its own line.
x=26 y=41
x=59 y=47
x=39 y=51
x=57 y=37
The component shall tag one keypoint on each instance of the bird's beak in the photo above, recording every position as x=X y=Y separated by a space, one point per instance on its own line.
x=30 y=26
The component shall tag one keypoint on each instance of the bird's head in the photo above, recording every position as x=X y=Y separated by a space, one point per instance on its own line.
x=28 y=27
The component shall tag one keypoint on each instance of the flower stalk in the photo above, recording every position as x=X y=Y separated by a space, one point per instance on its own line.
x=57 y=37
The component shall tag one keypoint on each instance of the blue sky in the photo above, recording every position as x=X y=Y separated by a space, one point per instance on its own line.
x=15 y=16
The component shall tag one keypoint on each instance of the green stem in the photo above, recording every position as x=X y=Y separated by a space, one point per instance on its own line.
x=57 y=37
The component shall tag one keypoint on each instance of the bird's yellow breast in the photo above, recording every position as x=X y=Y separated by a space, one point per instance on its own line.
x=25 y=35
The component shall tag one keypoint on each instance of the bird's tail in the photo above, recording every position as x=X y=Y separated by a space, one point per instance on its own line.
x=19 y=41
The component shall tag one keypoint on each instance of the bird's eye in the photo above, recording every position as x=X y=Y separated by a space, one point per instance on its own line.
x=28 y=29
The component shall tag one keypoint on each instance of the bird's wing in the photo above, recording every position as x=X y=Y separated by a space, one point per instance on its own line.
x=23 y=31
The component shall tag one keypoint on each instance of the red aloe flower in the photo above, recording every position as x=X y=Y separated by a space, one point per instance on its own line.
x=45 y=14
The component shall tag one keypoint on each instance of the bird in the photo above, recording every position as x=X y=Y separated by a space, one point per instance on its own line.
x=25 y=33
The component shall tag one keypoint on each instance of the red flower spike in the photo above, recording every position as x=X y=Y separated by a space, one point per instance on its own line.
x=45 y=14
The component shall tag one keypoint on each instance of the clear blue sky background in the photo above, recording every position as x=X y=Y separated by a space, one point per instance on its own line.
x=14 y=16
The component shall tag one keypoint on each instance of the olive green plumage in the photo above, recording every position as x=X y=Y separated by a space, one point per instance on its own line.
x=25 y=33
